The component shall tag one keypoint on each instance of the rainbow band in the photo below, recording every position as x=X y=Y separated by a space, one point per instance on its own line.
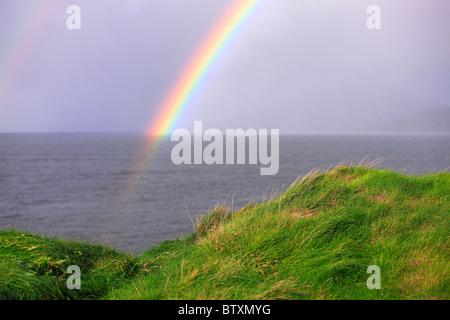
x=178 y=99
x=176 y=102
x=21 y=46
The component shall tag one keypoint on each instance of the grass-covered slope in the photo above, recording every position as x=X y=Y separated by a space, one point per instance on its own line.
x=314 y=241
x=34 y=267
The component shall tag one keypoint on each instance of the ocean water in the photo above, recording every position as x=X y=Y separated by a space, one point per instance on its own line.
x=77 y=186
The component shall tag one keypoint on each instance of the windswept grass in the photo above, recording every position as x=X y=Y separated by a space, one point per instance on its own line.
x=313 y=241
x=34 y=267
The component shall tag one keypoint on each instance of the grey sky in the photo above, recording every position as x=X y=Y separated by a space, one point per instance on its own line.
x=113 y=73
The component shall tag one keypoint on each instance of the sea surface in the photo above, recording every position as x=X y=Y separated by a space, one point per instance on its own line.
x=82 y=186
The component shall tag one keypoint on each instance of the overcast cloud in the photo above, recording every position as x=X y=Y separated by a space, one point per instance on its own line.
x=113 y=73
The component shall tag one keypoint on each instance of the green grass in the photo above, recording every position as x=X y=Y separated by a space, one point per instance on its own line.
x=34 y=267
x=313 y=241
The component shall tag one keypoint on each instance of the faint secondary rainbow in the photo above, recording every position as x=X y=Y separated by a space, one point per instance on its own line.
x=21 y=45
x=178 y=100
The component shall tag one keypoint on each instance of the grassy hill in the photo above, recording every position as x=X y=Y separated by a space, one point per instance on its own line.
x=313 y=241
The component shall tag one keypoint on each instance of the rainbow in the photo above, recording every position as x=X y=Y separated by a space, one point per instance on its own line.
x=20 y=47
x=177 y=101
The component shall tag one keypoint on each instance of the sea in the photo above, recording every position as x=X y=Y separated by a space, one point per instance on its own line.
x=86 y=186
